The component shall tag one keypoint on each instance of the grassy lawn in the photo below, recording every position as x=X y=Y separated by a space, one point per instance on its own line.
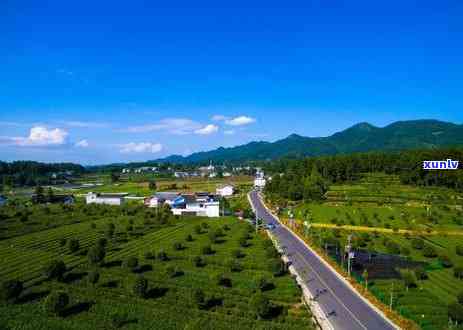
x=171 y=303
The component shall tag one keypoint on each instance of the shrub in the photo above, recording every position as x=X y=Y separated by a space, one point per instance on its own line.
x=219 y=233
x=199 y=262
x=129 y=228
x=459 y=250
x=236 y=253
x=178 y=246
x=421 y=274
x=460 y=297
x=243 y=241
x=55 y=269
x=445 y=261
x=206 y=249
x=226 y=227
x=93 y=277
x=118 y=320
x=224 y=281
x=417 y=243
x=131 y=263
x=96 y=254
x=455 y=312
x=393 y=247
x=199 y=299
x=11 y=290
x=56 y=302
x=212 y=237
x=149 y=255
x=102 y=242
x=405 y=251
x=260 y=305
x=73 y=245
x=140 y=287
x=458 y=272
x=235 y=266
x=429 y=252
x=162 y=256
x=198 y=229
x=263 y=284
x=62 y=242
x=189 y=238
x=204 y=225
x=173 y=271
x=408 y=278
x=277 y=267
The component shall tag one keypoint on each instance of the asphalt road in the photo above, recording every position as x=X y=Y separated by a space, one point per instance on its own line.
x=343 y=308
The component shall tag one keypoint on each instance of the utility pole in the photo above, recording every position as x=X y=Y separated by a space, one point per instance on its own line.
x=348 y=248
x=392 y=295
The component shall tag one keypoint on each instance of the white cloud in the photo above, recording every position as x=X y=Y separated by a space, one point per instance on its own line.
x=82 y=144
x=145 y=147
x=239 y=121
x=178 y=126
x=84 y=124
x=41 y=136
x=208 y=129
x=229 y=132
x=219 y=118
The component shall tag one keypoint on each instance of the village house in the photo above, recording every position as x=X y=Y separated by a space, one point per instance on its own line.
x=160 y=198
x=199 y=204
x=259 y=181
x=225 y=190
x=105 y=198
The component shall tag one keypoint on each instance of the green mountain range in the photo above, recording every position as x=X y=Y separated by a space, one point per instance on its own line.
x=414 y=134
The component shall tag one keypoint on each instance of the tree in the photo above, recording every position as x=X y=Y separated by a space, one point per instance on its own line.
x=56 y=302
x=152 y=185
x=445 y=261
x=178 y=246
x=224 y=281
x=277 y=267
x=314 y=187
x=263 y=284
x=421 y=273
x=162 y=256
x=429 y=252
x=408 y=278
x=131 y=263
x=73 y=245
x=460 y=297
x=198 y=261
x=55 y=269
x=50 y=195
x=458 y=272
x=189 y=238
x=140 y=287
x=260 y=305
x=96 y=254
x=235 y=266
x=417 y=243
x=11 y=290
x=199 y=298
x=93 y=277
x=206 y=249
x=115 y=176
x=365 y=277
x=459 y=249
x=455 y=312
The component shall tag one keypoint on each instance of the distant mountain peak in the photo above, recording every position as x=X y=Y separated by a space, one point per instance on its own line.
x=361 y=137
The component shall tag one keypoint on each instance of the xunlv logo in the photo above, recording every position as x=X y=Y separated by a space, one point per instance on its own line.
x=440 y=164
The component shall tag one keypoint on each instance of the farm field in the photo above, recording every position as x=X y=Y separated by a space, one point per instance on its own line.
x=201 y=273
x=375 y=218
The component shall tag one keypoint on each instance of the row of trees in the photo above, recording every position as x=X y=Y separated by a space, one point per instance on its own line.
x=298 y=179
x=29 y=173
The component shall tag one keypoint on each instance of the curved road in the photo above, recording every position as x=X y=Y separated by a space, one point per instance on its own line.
x=343 y=308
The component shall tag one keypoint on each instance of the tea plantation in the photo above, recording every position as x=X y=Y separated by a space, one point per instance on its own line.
x=99 y=267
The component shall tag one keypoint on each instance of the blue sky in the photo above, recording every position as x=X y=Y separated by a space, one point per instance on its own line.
x=101 y=81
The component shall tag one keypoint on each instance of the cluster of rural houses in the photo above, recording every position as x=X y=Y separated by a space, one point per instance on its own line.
x=199 y=203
